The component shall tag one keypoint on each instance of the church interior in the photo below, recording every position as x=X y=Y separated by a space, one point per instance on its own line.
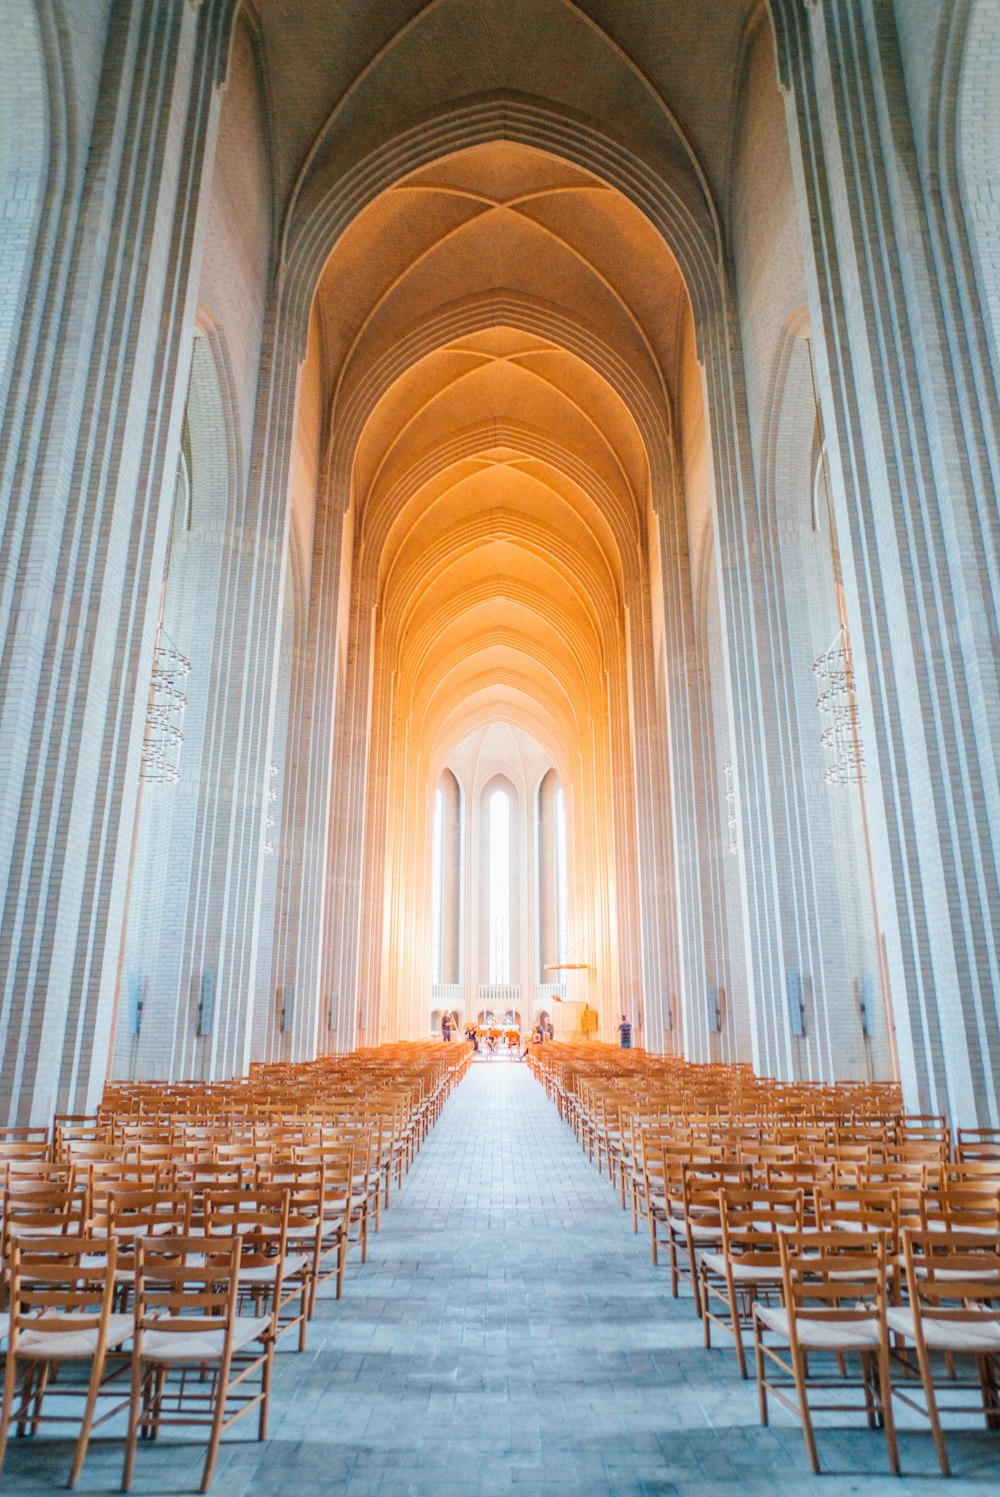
x=499 y=706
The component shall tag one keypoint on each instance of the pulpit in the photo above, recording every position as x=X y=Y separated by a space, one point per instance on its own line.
x=567 y=1021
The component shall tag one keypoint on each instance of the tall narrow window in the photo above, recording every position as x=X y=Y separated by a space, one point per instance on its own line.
x=499 y=887
x=437 y=885
x=562 y=897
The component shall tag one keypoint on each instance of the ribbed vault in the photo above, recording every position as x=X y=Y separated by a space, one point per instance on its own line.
x=500 y=332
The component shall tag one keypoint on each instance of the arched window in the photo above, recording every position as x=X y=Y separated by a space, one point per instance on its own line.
x=499 y=887
x=562 y=895
x=437 y=884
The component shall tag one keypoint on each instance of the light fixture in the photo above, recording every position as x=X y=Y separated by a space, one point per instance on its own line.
x=164 y=735
x=727 y=770
x=272 y=796
x=836 y=701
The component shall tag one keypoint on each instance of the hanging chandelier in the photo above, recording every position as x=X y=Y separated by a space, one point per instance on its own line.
x=164 y=735
x=836 y=701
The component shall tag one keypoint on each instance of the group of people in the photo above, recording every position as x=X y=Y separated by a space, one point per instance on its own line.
x=542 y=1031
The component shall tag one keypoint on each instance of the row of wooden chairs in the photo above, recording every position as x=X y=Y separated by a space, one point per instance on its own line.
x=173 y=1249
x=845 y=1239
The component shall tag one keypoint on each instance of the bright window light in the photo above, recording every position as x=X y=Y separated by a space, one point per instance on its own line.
x=499 y=887
x=562 y=897
x=437 y=884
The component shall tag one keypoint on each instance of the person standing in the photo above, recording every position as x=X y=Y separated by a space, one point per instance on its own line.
x=446 y=1027
x=624 y=1033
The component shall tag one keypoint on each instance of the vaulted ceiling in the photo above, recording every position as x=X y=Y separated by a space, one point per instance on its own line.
x=498 y=329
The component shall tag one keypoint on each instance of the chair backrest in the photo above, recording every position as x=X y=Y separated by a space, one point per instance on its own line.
x=866 y=1209
x=833 y=1276
x=976 y=1207
x=702 y=1182
x=43 y=1211
x=801 y=1174
x=753 y=1220
x=21 y=1174
x=259 y=1217
x=186 y=1285
x=953 y=1278
x=977 y=1144
x=54 y=1278
x=966 y=1170
x=107 y=1175
x=148 y=1212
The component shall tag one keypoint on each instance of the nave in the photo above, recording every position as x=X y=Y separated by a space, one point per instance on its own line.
x=509 y=1334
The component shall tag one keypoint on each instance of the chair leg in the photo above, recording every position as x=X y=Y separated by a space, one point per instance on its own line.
x=761 y=1384
x=695 y=1287
x=303 y=1314
x=265 y=1388
x=24 y=1403
x=868 y=1387
x=799 y=1373
x=988 y=1387
x=734 y=1311
x=9 y=1385
x=342 y=1258
x=41 y=1384
x=927 y=1378
x=218 y=1418
x=135 y=1404
x=888 y=1417
x=96 y=1370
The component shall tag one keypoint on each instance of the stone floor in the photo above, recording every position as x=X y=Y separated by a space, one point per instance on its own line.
x=509 y=1334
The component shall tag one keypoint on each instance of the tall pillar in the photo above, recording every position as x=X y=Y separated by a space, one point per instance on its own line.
x=917 y=517
x=88 y=516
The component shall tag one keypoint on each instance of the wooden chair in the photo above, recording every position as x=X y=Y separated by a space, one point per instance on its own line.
x=865 y=1209
x=42 y=1211
x=699 y=1228
x=977 y=1145
x=61 y=1292
x=271 y=1278
x=747 y=1267
x=966 y=1207
x=305 y=1185
x=833 y=1307
x=186 y=1321
x=953 y=1284
x=338 y=1204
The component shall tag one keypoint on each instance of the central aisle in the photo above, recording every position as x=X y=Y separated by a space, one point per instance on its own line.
x=509 y=1334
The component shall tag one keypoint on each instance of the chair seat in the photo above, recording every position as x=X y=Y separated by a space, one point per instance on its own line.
x=263 y=1273
x=743 y=1273
x=302 y=1237
x=945 y=1335
x=956 y=1275
x=201 y=1346
x=71 y=1345
x=821 y=1334
x=987 y=1231
x=699 y=1232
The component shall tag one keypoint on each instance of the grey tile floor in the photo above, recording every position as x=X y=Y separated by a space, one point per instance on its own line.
x=510 y=1335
